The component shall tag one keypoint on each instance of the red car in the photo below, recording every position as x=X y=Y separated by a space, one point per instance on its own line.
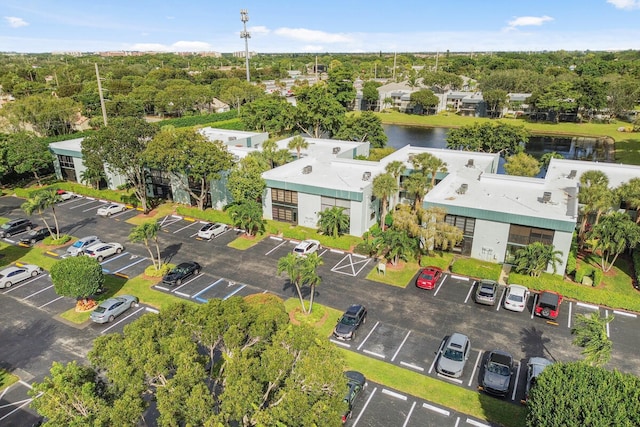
x=428 y=277
x=548 y=304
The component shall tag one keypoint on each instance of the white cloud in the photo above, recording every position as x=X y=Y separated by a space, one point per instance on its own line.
x=259 y=29
x=191 y=46
x=313 y=48
x=625 y=4
x=306 y=35
x=179 y=46
x=15 y=22
x=526 y=21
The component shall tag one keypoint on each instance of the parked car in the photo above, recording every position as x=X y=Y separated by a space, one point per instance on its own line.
x=350 y=321
x=15 y=226
x=211 y=230
x=109 y=309
x=306 y=247
x=17 y=273
x=453 y=355
x=81 y=244
x=497 y=373
x=535 y=366
x=516 y=298
x=181 y=272
x=548 y=304
x=428 y=277
x=486 y=292
x=111 y=209
x=101 y=250
x=355 y=383
x=37 y=234
x=66 y=195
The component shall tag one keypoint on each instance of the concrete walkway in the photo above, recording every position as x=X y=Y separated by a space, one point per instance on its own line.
x=506 y=269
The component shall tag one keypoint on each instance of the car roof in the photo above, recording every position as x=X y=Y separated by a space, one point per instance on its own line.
x=10 y=269
x=538 y=364
x=458 y=339
x=353 y=309
x=355 y=377
x=549 y=297
x=432 y=268
x=519 y=289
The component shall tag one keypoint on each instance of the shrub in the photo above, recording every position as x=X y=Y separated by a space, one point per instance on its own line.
x=478 y=269
x=598 y=275
x=152 y=271
x=211 y=215
x=64 y=238
x=582 y=271
x=572 y=263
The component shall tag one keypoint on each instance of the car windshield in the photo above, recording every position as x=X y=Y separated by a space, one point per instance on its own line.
x=455 y=355
x=99 y=309
x=5 y=226
x=427 y=276
x=348 y=320
x=486 y=292
x=78 y=244
x=496 y=368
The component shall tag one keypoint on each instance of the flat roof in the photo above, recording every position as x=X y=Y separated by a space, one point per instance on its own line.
x=561 y=170
x=225 y=135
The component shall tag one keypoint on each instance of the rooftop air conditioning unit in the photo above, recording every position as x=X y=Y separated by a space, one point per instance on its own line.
x=232 y=138
x=336 y=150
x=470 y=163
x=463 y=189
x=307 y=169
x=573 y=174
x=546 y=197
x=366 y=176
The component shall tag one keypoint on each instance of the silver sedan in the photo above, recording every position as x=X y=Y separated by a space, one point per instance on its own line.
x=109 y=309
x=15 y=274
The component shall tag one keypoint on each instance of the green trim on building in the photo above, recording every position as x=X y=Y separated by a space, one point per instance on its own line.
x=63 y=152
x=507 y=218
x=319 y=191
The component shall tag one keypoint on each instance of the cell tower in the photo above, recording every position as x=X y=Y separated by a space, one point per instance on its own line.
x=244 y=17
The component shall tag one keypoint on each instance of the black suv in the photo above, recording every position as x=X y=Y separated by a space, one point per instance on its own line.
x=355 y=383
x=36 y=235
x=350 y=321
x=15 y=226
x=181 y=272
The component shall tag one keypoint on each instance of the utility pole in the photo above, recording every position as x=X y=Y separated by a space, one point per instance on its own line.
x=395 y=55
x=244 y=17
x=104 y=109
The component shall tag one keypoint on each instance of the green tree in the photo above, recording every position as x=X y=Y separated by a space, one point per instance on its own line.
x=428 y=165
x=594 y=195
x=191 y=157
x=302 y=271
x=546 y=159
x=274 y=155
x=489 y=137
x=247 y=215
x=535 y=258
x=77 y=277
x=612 y=236
x=441 y=79
x=298 y=143
x=333 y=221
x=384 y=187
x=340 y=85
x=370 y=93
x=25 y=152
x=424 y=99
x=121 y=147
x=395 y=245
x=396 y=168
x=495 y=99
x=39 y=202
x=318 y=112
x=416 y=184
x=576 y=394
x=365 y=126
x=146 y=233
x=591 y=334
x=592 y=95
x=629 y=192
x=559 y=97
x=271 y=114
x=622 y=94
x=522 y=164
x=47 y=115
x=245 y=180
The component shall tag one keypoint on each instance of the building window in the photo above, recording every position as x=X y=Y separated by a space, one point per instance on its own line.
x=67 y=168
x=284 y=196
x=284 y=205
x=522 y=235
x=66 y=161
x=329 y=202
x=468 y=226
x=285 y=214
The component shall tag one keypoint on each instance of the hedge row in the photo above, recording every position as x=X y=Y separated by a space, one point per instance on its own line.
x=205 y=119
x=112 y=195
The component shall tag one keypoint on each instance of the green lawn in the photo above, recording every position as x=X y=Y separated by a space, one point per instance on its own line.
x=6 y=379
x=394 y=276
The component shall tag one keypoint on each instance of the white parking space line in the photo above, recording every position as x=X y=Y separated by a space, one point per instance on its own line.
x=624 y=313
x=394 y=394
x=26 y=282
x=116 y=257
x=606 y=314
x=153 y=310
x=13 y=242
x=196 y=296
x=406 y=420
x=535 y=302
x=412 y=366
x=460 y=277
x=475 y=366
x=457 y=422
x=400 y=347
x=234 y=292
x=94 y=208
x=276 y=248
x=187 y=282
x=182 y=294
x=364 y=408
x=120 y=213
x=476 y=423
x=36 y=293
x=162 y=288
x=350 y=265
x=324 y=252
x=455 y=380
x=515 y=386
x=18 y=408
x=436 y=356
x=185 y=227
x=166 y=218
x=91 y=201
x=589 y=306
x=570 y=309
x=500 y=299
x=373 y=353
x=340 y=343
x=50 y=302
x=129 y=265
x=368 y=335
x=122 y=320
x=469 y=293
x=436 y=409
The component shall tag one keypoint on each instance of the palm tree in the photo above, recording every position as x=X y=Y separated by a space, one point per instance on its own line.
x=310 y=274
x=629 y=192
x=92 y=177
x=534 y=258
x=591 y=335
x=615 y=233
x=298 y=143
x=384 y=186
x=145 y=233
x=395 y=168
x=428 y=164
x=333 y=221
x=248 y=216
x=593 y=195
x=394 y=245
x=416 y=184
x=39 y=202
x=291 y=264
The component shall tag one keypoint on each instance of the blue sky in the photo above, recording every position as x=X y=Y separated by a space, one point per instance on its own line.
x=319 y=26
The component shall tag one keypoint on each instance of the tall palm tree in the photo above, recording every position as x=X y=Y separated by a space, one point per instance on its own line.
x=591 y=334
x=298 y=143
x=536 y=257
x=310 y=275
x=333 y=221
x=145 y=233
x=629 y=192
x=39 y=202
x=613 y=235
x=395 y=168
x=291 y=264
x=416 y=184
x=428 y=164
x=384 y=186
x=593 y=195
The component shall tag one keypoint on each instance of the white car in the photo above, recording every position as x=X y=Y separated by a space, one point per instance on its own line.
x=211 y=230
x=14 y=274
x=101 y=250
x=515 y=298
x=110 y=209
x=306 y=247
x=66 y=195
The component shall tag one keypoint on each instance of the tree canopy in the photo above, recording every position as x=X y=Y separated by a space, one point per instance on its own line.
x=77 y=277
x=488 y=137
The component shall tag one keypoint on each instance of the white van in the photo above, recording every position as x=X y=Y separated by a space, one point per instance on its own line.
x=80 y=245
